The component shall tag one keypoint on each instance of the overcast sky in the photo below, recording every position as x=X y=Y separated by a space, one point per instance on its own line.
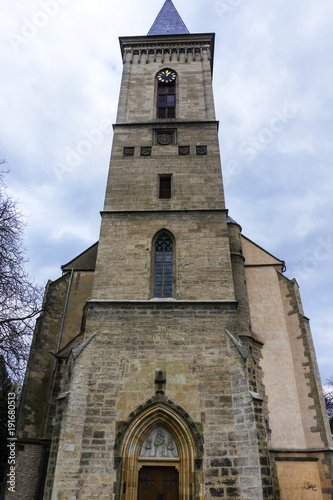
x=273 y=84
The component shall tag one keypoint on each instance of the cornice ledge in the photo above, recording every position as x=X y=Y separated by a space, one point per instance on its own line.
x=266 y=265
x=222 y=210
x=165 y=124
x=161 y=301
x=169 y=39
x=300 y=450
x=130 y=43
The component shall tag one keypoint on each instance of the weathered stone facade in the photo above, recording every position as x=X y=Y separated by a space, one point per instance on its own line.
x=225 y=365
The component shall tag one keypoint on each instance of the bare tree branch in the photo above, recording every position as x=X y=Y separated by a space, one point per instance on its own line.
x=20 y=298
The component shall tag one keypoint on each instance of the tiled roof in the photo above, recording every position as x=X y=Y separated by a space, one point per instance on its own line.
x=168 y=21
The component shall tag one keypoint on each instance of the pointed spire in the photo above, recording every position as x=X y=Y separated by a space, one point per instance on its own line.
x=168 y=21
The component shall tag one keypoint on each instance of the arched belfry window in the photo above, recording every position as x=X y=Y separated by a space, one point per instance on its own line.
x=163 y=265
x=166 y=93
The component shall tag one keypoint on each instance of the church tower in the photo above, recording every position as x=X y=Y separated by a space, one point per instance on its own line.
x=167 y=388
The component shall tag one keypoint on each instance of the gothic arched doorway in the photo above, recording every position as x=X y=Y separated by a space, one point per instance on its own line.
x=159 y=453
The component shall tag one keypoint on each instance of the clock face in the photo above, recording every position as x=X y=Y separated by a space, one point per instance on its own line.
x=166 y=76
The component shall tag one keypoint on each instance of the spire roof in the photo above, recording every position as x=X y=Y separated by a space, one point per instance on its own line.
x=168 y=21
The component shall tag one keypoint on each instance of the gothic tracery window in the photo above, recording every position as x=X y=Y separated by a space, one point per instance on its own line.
x=163 y=266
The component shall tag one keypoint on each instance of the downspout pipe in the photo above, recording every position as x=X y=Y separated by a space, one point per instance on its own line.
x=63 y=316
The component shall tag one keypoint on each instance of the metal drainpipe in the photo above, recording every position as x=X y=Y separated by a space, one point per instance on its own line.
x=63 y=316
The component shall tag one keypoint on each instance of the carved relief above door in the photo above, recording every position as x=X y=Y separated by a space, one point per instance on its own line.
x=159 y=444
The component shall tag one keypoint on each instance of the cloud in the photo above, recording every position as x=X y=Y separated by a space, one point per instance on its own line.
x=59 y=84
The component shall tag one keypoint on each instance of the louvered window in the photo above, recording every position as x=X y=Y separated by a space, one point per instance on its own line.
x=163 y=266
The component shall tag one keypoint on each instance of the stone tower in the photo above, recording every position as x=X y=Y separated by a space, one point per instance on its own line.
x=175 y=328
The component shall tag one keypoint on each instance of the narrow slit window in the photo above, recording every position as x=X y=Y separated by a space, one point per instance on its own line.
x=163 y=266
x=165 y=187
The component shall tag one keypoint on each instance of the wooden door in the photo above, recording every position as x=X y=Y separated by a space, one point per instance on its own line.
x=158 y=483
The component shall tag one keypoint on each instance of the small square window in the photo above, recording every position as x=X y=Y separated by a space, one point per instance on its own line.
x=165 y=187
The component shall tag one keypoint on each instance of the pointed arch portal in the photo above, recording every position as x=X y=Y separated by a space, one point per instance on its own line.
x=158 y=455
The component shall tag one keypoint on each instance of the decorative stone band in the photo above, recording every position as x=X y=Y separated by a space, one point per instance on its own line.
x=149 y=53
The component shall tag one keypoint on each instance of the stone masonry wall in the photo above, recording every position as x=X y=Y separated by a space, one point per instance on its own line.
x=28 y=457
x=138 y=95
x=239 y=280
x=196 y=178
x=37 y=390
x=38 y=378
x=115 y=373
x=39 y=375
x=202 y=265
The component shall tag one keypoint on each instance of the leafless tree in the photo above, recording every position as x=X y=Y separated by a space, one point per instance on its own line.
x=20 y=298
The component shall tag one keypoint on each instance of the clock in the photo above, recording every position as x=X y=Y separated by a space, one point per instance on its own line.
x=166 y=76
